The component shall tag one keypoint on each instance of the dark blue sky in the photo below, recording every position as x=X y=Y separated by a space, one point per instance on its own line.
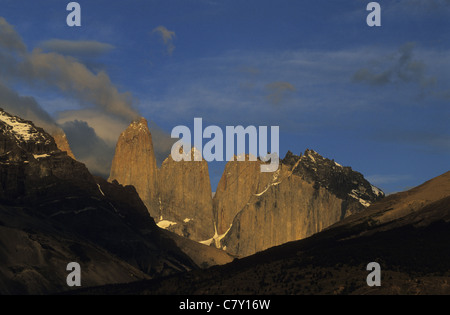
x=376 y=99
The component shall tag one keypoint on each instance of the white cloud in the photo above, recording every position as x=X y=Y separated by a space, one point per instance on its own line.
x=387 y=179
x=108 y=127
x=61 y=73
x=76 y=48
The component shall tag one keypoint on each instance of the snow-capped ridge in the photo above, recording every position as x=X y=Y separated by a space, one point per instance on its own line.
x=342 y=181
x=22 y=130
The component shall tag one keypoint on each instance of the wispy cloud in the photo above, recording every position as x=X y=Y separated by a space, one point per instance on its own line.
x=10 y=40
x=386 y=179
x=75 y=79
x=250 y=70
x=429 y=141
x=84 y=48
x=251 y=83
x=167 y=37
x=278 y=91
x=68 y=75
x=97 y=96
x=26 y=107
x=315 y=88
x=89 y=147
x=400 y=67
x=107 y=126
x=418 y=6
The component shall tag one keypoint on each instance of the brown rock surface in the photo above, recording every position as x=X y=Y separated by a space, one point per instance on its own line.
x=307 y=194
x=186 y=198
x=290 y=210
x=134 y=164
x=240 y=180
x=61 y=142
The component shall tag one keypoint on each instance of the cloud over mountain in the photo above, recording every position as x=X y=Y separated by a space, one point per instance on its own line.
x=56 y=72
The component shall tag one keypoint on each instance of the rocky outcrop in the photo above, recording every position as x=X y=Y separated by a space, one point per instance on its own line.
x=251 y=210
x=61 y=142
x=31 y=163
x=343 y=182
x=307 y=194
x=291 y=210
x=186 y=198
x=240 y=180
x=178 y=196
x=134 y=164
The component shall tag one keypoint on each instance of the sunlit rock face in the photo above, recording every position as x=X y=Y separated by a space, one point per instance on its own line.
x=186 y=197
x=307 y=194
x=134 y=164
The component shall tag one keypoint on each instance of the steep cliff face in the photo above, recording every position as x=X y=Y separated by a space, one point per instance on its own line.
x=186 y=198
x=61 y=142
x=31 y=163
x=240 y=180
x=134 y=164
x=251 y=210
x=306 y=195
x=289 y=209
x=178 y=196
x=343 y=182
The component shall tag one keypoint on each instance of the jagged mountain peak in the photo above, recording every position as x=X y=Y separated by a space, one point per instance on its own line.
x=22 y=130
x=62 y=142
x=343 y=181
x=316 y=158
x=309 y=192
x=29 y=157
x=140 y=124
x=32 y=138
x=21 y=141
